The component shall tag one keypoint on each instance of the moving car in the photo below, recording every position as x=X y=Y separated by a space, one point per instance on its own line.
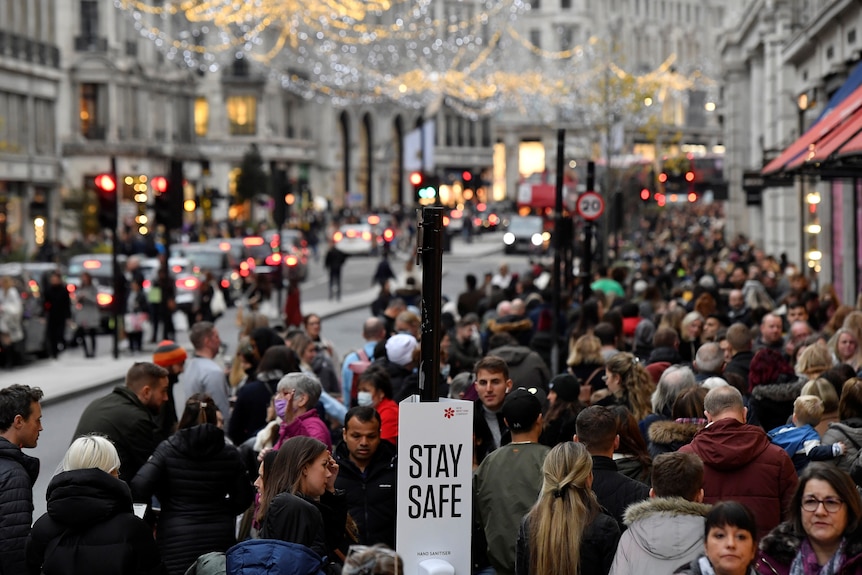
x=526 y=234
x=101 y=269
x=356 y=239
x=209 y=257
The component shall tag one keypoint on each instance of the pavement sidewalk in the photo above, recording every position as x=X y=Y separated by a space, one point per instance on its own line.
x=72 y=374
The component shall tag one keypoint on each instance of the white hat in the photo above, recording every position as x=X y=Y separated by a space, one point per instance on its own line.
x=399 y=348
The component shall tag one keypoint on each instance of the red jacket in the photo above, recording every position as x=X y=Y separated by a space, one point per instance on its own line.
x=740 y=463
x=388 y=410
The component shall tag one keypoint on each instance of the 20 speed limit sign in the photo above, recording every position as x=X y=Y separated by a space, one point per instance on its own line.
x=590 y=206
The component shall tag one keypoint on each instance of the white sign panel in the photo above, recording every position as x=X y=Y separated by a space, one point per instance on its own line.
x=435 y=479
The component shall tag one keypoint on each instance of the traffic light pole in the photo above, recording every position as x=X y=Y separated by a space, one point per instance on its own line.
x=587 y=268
x=117 y=274
x=558 y=249
x=431 y=254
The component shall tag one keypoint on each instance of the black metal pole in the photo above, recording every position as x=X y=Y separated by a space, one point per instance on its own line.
x=431 y=252
x=558 y=250
x=117 y=274
x=587 y=268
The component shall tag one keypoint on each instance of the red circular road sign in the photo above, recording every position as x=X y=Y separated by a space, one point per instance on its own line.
x=590 y=206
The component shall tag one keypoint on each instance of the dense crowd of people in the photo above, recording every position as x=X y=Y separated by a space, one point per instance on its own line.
x=704 y=417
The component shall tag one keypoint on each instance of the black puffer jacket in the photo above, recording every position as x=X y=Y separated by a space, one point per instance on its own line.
x=18 y=473
x=90 y=528
x=370 y=495
x=773 y=402
x=202 y=486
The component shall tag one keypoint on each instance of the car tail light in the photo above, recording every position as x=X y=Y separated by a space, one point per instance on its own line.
x=351 y=233
x=188 y=283
x=373 y=219
x=337 y=237
x=70 y=288
x=273 y=260
x=455 y=214
x=493 y=219
x=388 y=235
x=252 y=241
x=291 y=261
x=243 y=266
x=481 y=207
x=146 y=284
x=225 y=284
x=224 y=246
x=92 y=264
x=104 y=299
x=176 y=269
x=445 y=221
x=477 y=222
x=366 y=236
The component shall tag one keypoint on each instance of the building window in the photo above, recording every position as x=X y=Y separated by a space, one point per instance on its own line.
x=567 y=38
x=92 y=111
x=202 y=117
x=851 y=36
x=566 y=4
x=45 y=127
x=536 y=38
x=242 y=115
x=89 y=18
x=830 y=51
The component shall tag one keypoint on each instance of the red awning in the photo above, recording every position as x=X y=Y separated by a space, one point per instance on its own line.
x=853 y=147
x=800 y=150
x=822 y=150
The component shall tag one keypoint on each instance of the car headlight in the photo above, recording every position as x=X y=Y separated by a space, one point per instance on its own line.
x=536 y=239
x=508 y=238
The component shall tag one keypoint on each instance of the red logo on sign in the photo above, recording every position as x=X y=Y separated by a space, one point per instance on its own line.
x=448 y=413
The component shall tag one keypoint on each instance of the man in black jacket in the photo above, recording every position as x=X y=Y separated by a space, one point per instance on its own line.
x=126 y=416
x=368 y=473
x=20 y=424
x=597 y=430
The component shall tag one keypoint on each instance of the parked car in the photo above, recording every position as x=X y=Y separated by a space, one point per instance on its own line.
x=356 y=239
x=526 y=234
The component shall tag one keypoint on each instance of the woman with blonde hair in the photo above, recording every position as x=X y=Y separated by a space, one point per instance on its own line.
x=629 y=385
x=566 y=530
x=90 y=526
x=691 y=328
x=822 y=388
x=813 y=361
x=586 y=364
x=845 y=348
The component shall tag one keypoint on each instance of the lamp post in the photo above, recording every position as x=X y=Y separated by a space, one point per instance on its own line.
x=809 y=222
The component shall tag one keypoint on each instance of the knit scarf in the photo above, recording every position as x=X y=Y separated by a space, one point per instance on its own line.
x=805 y=562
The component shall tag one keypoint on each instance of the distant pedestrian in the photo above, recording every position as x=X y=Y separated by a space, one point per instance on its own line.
x=171 y=356
x=384 y=272
x=87 y=314
x=202 y=374
x=90 y=526
x=334 y=261
x=125 y=416
x=11 y=323
x=20 y=424
x=58 y=312
x=136 y=317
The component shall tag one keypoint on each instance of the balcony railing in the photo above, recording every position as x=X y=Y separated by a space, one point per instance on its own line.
x=91 y=44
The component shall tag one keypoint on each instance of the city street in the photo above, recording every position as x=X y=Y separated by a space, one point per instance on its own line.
x=60 y=417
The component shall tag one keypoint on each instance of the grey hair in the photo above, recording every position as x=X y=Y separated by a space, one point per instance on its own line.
x=713 y=382
x=709 y=357
x=304 y=383
x=91 y=452
x=674 y=380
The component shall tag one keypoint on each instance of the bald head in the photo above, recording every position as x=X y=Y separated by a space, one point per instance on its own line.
x=724 y=402
x=373 y=329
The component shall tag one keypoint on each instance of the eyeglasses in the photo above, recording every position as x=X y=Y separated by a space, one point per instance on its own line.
x=812 y=503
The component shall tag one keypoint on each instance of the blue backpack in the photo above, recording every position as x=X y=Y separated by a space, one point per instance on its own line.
x=273 y=557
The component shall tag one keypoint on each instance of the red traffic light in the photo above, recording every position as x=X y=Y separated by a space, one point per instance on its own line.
x=160 y=184
x=645 y=194
x=466 y=176
x=106 y=182
x=689 y=176
x=662 y=177
x=416 y=178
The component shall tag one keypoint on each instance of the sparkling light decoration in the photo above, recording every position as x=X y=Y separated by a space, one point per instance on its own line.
x=420 y=53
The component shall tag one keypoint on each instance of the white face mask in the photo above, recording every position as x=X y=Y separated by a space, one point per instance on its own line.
x=364 y=398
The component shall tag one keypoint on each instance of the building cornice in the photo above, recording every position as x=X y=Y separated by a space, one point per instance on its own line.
x=799 y=46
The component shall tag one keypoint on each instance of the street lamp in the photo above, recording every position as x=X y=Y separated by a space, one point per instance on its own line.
x=809 y=220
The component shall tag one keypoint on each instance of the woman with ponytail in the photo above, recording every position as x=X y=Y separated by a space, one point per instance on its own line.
x=566 y=530
x=201 y=484
x=630 y=385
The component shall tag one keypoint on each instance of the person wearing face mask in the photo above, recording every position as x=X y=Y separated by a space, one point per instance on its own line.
x=296 y=397
x=375 y=390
